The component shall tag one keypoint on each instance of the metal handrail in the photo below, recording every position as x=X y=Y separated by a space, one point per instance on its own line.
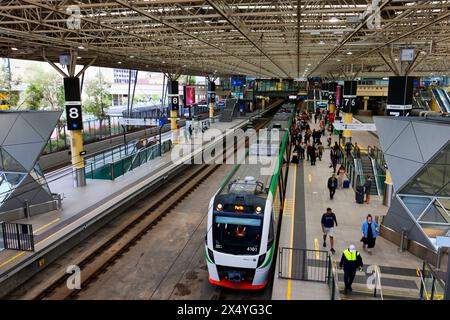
x=334 y=279
x=434 y=279
x=423 y=286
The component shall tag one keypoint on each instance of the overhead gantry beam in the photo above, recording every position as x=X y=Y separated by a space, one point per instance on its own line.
x=221 y=7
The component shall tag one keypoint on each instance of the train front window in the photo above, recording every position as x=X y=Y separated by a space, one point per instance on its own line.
x=237 y=235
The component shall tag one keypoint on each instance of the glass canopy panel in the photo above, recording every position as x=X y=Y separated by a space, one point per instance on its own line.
x=435 y=213
x=8 y=163
x=8 y=182
x=415 y=205
x=433 y=178
x=433 y=231
x=445 y=203
x=37 y=175
x=445 y=191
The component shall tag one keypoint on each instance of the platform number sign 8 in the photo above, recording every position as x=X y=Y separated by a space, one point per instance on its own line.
x=174 y=102
x=74 y=119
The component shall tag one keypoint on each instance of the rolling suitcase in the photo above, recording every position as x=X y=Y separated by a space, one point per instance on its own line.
x=359 y=194
x=346 y=184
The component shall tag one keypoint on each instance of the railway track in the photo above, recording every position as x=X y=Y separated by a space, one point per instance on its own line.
x=96 y=258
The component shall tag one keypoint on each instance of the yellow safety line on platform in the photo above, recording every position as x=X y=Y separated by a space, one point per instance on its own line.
x=46 y=225
x=12 y=259
x=316 y=244
x=23 y=252
x=289 y=286
x=309 y=178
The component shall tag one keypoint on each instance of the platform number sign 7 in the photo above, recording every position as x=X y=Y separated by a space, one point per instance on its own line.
x=74 y=117
x=175 y=102
x=349 y=104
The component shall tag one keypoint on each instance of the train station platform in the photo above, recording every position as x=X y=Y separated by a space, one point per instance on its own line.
x=84 y=206
x=302 y=263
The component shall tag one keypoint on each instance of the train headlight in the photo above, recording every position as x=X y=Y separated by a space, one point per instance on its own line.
x=219 y=207
x=258 y=209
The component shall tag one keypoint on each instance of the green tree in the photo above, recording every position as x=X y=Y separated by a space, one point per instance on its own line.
x=4 y=77
x=98 y=97
x=34 y=94
x=45 y=88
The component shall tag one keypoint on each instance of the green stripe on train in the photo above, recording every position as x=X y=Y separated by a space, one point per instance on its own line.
x=207 y=255
x=274 y=182
x=269 y=256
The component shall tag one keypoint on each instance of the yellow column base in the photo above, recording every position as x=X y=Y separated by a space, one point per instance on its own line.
x=76 y=147
x=348 y=118
x=211 y=110
x=332 y=108
x=388 y=177
x=173 y=125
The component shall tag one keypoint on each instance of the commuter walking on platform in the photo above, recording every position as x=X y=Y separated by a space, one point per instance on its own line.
x=367 y=188
x=357 y=151
x=348 y=148
x=341 y=177
x=334 y=160
x=329 y=142
x=328 y=222
x=308 y=151
x=369 y=229
x=320 y=150
x=350 y=261
x=302 y=151
x=332 y=185
x=313 y=156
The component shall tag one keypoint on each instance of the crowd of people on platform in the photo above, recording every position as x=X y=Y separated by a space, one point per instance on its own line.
x=307 y=142
x=308 y=145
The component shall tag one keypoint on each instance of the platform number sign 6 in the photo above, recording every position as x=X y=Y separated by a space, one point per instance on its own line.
x=349 y=104
x=74 y=118
x=174 y=102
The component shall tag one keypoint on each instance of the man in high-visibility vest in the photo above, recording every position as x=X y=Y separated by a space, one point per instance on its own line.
x=350 y=261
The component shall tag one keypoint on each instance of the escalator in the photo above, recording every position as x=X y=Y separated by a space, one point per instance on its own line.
x=441 y=99
x=446 y=96
x=229 y=110
x=367 y=169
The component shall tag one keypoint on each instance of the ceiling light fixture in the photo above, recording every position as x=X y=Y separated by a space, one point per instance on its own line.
x=349 y=53
x=14 y=49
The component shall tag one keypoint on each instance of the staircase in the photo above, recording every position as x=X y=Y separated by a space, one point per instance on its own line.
x=228 y=110
x=395 y=284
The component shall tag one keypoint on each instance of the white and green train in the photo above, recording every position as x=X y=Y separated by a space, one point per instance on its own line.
x=244 y=214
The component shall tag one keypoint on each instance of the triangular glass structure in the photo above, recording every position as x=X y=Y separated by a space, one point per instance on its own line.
x=22 y=140
x=433 y=179
x=9 y=163
x=415 y=205
x=435 y=214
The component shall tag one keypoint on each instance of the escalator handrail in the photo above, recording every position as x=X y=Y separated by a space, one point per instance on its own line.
x=438 y=99
x=447 y=99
